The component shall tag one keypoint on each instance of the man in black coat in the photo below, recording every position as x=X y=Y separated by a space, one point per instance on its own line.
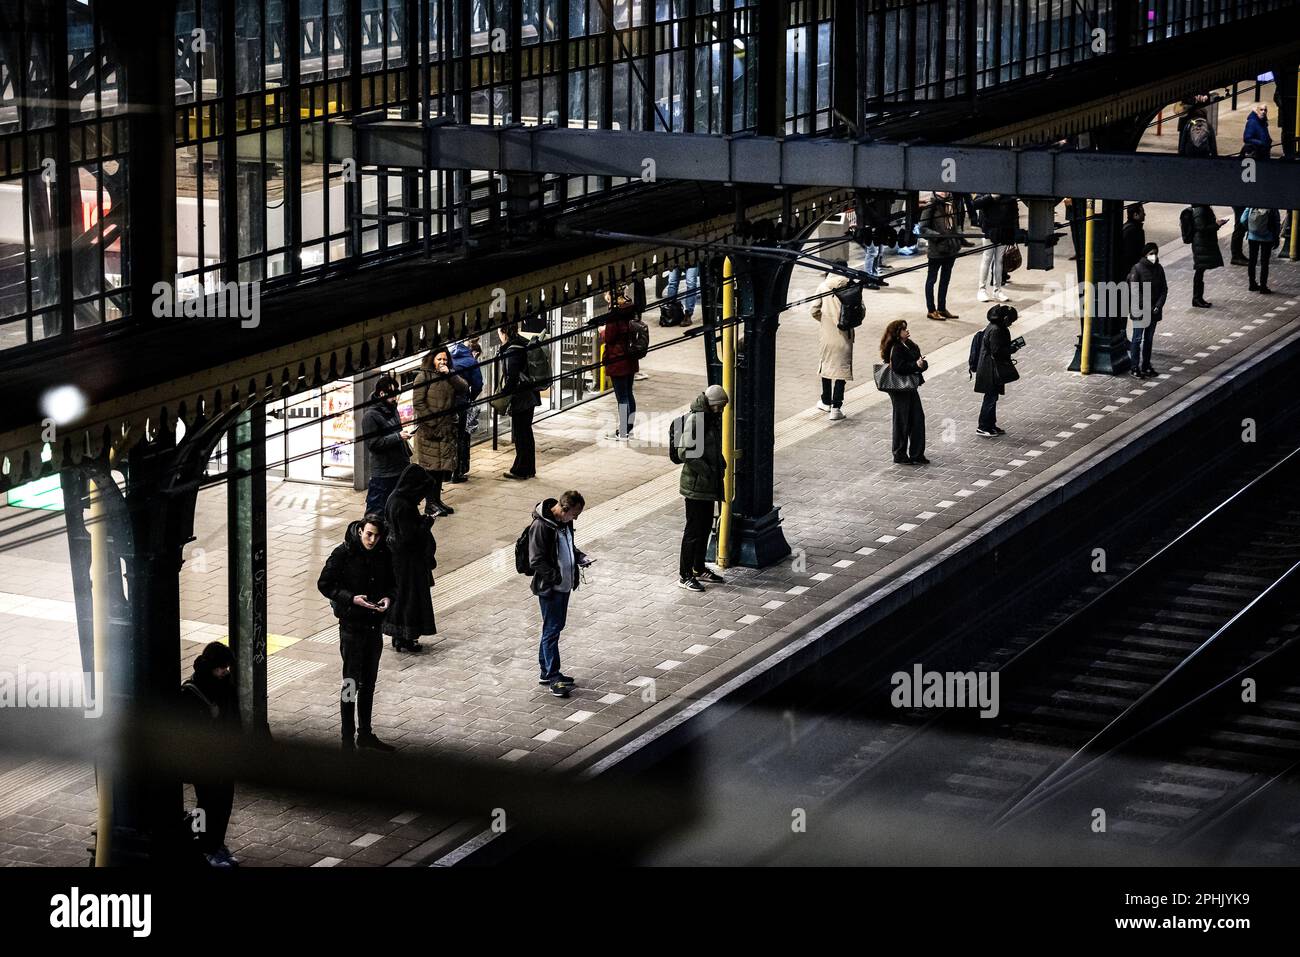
x=358 y=581
x=523 y=402
x=554 y=560
x=1147 y=293
x=387 y=453
x=1132 y=239
x=1205 y=251
x=209 y=701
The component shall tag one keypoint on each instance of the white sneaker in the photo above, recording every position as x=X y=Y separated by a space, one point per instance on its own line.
x=1001 y=296
x=982 y=296
x=836 y=415
x=823 y=407
x=640 y=377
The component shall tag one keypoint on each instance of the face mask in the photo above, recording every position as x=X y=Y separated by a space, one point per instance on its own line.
x=1152 y=258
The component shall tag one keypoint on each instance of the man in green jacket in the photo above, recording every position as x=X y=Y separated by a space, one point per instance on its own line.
x=703 y=468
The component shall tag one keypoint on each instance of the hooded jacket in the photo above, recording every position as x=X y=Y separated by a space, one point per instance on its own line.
x=386 y=450
x=939 y=229
x=617 y=337
x=411 y=542
x=1256 y=135
x=353 y=570
x=1205 y=239
x=543 y=549
x=1148 y=288
x=514 y=359
x=702 y=474
x=208 y=701
x=999 y=217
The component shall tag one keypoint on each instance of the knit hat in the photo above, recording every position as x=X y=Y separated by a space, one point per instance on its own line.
x=716 y=395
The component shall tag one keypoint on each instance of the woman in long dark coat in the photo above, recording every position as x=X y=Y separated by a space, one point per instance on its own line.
x=994 y=368
x=411 y=542
x=1206 y=254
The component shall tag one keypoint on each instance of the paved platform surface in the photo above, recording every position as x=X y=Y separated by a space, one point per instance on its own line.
x=634 y=640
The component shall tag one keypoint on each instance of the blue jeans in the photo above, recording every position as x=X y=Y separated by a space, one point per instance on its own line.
x=1140 y=348
x=873 y=259
x=377 y=492
x=626 y=403
x=555 y=611
x=692 y=287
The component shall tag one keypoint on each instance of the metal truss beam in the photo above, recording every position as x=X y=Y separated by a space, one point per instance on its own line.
x=800 y=162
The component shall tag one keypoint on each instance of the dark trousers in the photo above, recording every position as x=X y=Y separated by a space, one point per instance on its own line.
x=1140 y=349
x=360 y=647
x=909 y=424
x=433 y=487
x=940 y=269
x=521 y=433
x=462 y=442
x=215 y=798
x=1238 y=232
x=989 y=411
x=626 y=403
x=1259 y=255
x=832 y=392
x=377 y=492
x=1198 y=284
x=695 y=539
x=555 y=613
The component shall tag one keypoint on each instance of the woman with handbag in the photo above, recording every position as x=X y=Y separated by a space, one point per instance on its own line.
x=412 y=546
x=901 y=378
x=995 y=367
x=434 y=397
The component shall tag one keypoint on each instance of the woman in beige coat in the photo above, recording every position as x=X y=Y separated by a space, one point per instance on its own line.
x=434 y=398
x=836 y=347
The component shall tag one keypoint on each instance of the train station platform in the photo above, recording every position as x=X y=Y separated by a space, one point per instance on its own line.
x=644 y=652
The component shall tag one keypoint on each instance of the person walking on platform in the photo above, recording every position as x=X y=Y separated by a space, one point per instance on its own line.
x=938 y=228
x=620 y=364
x=1148 y=291
x=435 y=395
x=1206 y=254
x=465 y=363
x=412 y=545
x=210 y=703
x=701 y=485
x=387 y=452
x=524 y=400
x=836 y=366
x=358 y=581
x=1263 y=227
x=994 y=367
x=555 y=560
x=904 y=357
x=999 y=217
x=1133 y=238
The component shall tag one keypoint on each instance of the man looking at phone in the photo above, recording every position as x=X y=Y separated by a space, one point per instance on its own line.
x=358 y=580
x=555 y=560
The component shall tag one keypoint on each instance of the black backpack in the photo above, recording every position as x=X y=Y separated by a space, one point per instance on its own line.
x=522 y=564
x=1187 y=223
x=638 y=339
x=852 y=312
x=976 y=343
x=676 y=429
x=1198 y=138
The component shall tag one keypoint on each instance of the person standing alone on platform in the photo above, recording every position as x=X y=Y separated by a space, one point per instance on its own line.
x=1133 y=238
x=524 y=400
x=943 y=243
x=1263 y=227
x=999 y=217
x=435 y=395
x=210 y=703
x=387 y=453
x=465 y=363
x=620 y=364
x=1206 y=254
x=555 y=560
x=905 y=359
x=1147 y=293
x=836 y=344
x=358 y=581
x=703 y=469
x=411 y=543
x=994 y=367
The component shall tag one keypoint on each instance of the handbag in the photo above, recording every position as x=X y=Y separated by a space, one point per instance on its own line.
x=1012 y=260
x=501 y=404
x=887 y=380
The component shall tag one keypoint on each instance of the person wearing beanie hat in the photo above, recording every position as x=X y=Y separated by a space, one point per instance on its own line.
x=1146 y=299
x=387 y=451
x=210 y=701
x=703 y=468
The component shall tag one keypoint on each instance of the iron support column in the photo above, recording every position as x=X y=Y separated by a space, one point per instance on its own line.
x=1109 y=346
x=246 y=537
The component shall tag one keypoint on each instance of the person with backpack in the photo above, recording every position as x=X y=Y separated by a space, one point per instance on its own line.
x=1197 y=139
x=943 y=243
x=1206 y=254
x=436 y=395
x=621 y=357
x=696 y=442
x=905 y=359
x=1133 y=238
x=465 y=362
x=553 y=561
x=524 y=398
x=993 y=367
x=387 y=452
x=359 y=583
x=1148 y=291
x=1263 y=229
x=209 y=701
x=414 y=550
x=999 y=219
x=838 y=311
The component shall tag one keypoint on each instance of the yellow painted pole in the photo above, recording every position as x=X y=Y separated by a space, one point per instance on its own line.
x=604 y=374
x=1089 y=301
x=728 y=412
x=1295 y=139
x=99 y=572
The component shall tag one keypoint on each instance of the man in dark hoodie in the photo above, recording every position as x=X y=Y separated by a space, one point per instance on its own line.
x=703 y=469
x=209 y=701
x=554 y=560
x=387 y=453
x=524 y=400
x=358 y=580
